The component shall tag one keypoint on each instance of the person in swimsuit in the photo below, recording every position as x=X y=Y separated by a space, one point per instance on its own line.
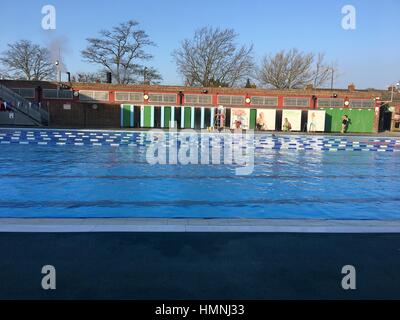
x=345 y=123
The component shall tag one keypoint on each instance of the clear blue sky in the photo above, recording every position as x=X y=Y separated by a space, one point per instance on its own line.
x=368 y=56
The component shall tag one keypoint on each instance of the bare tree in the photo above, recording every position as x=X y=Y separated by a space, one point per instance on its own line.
x=294 y=69
x=324 y=73
x=120 y=51
x=150 y=76
x=212 y=58
x=88 y=77
x=4 y=75
x=26 y=60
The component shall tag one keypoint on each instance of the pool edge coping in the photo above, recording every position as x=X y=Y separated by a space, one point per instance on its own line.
x=383 y=135
x=139 y=225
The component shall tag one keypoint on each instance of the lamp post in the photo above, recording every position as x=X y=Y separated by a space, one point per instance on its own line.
x=57 y=63
x=145 y=75
x=397 y=85
x=332 y=70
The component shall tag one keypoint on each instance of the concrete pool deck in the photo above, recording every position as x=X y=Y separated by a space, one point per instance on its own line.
x=71 y=225
x=195 y=265
x=151 y=258
x=108 y=129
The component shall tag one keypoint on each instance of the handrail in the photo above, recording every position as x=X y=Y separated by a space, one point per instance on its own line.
x=30 y=109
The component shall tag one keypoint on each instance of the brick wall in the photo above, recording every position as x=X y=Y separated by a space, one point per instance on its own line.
x=353 y=93
x=107 y=115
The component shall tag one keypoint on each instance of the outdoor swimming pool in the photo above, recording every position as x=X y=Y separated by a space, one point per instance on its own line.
x=50 y=173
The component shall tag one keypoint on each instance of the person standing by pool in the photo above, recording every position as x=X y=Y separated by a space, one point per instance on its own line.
x=287 y=126
x=345 y=123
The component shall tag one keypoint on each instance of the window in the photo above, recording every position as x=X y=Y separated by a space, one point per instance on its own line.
x=224 y=100
x=296 y=102
x=162 y=98
x=101 y=95
x=50 y=94
x=198 y=99
x=237 y=100
x=264 y=101
x=358 y=103
x=85 y=95
x=231 y=100
x=65 y=94
x=330 y=102
x=57 y=94
x=25 y=92
x=129 y=96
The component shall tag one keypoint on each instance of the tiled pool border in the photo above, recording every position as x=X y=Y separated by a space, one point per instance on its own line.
x=29 y=225
x=118 y=138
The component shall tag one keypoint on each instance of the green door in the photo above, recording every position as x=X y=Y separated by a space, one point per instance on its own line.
x=361 y=121
x=188 y=114
x=126 y=115
x=167 y=117
x=253 y=116
x=147 y=116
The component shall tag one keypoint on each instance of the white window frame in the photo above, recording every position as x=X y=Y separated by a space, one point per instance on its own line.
x=18 y=91
x=340 y=100
x=370 y=101
x=58 y=94
x=296 y=105
x=230 y=100
x=198 y=96
x=163 y=95
x=264 y=104
x=129 y=94
x=93 y=95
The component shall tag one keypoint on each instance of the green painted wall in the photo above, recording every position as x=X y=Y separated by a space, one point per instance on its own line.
x=253 y=118
x=126 y=114
x=167 y=116
x=188 y=112
x=361 y=121
x=147 y=116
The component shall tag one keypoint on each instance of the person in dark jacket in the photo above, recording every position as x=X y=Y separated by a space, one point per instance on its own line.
x=345 y=123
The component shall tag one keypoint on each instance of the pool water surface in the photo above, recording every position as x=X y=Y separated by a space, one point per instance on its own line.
x=346 y=180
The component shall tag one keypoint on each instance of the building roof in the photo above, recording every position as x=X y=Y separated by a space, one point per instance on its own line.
x=351 y=92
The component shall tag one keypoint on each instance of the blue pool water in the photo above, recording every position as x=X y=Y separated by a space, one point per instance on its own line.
x=53 y=174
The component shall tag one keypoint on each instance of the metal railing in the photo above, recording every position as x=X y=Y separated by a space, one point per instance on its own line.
x=18 y=103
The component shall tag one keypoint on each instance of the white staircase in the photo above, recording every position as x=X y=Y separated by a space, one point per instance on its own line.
x=31 y=110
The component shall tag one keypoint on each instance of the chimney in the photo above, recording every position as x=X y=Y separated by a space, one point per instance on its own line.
x=351 y=87
x=69 y=76
x=309 y=87
x=109 y=77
